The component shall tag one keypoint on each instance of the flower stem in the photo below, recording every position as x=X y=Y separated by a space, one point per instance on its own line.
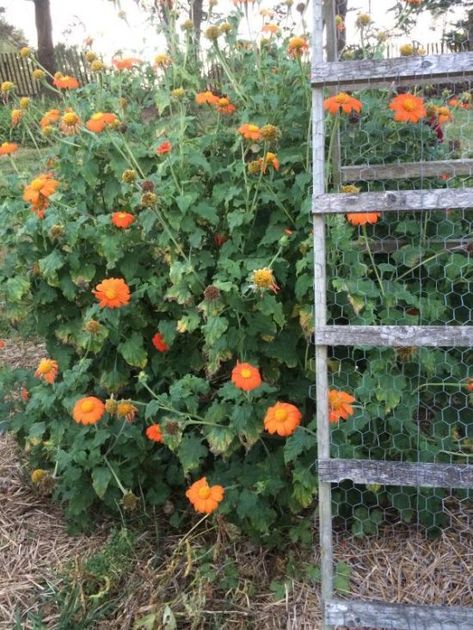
x=373 y=264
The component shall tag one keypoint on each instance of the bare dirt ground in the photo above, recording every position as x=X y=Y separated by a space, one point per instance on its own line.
x=401 y=565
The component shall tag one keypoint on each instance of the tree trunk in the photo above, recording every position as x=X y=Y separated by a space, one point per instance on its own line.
x=44 y=30
x=469 y=29
x=341 y=10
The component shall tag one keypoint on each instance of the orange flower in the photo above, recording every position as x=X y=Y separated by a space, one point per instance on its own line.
x=38 y=190
x=206 y=98
x=203 y=497
x=16 y=116
x=7 y=148
x=154 y=434
x=164 y=148
x=122 y=220
x=297 y=46
x=414 y=2
x=270 y=159
x=340 y=407
x=224 y=106
x=47 y=370
x=88 y=410
x=2 y=344
x=112 y=293
x=24 y=393
x=362 y=218
x=342 y=102
x=69 y=124
x=444 y=115
x=126 y=63
x=159 y=343
x=126 y=409
x=100 y=120
x=49 y=118
x=282 y=418
x=408 y=108
x=469 y=385
x=65 y=82
x=272 y=29
x=262 y=279
x=250 y=132
x=246 y=377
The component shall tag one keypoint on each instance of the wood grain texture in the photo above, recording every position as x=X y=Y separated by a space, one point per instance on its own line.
x=406 y=170
x=332 y=203
x=362 y=614
x=395 y=336
x=416 y=70
x=416 y=475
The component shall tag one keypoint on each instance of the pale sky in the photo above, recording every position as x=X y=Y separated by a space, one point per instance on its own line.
x=74 y=20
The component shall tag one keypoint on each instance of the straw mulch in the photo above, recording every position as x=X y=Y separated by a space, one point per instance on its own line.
x=165 y=576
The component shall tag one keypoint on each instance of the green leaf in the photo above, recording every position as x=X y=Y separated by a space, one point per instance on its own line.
x=17 y=288
x=49 y=265
x=296 y=444
x=101 y=477
x=133 y=352
x=191 y=451
x=219 y=439
x=214 y=329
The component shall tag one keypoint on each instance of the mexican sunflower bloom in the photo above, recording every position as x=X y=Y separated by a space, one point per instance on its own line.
x=342 y=102
x=340 y=405
x=88 y=410
x=270 y=159
x=224 y=106
x=469 y=385
x=262 y=279
x=126 y=63
x=297 y=47
x=444 y=115
x=47 y=370
x=206 y=98
x=112 y=293
x=65 y=82
x=408 y=108
x=154 y=434
x=363 y=218
x=7 y=148
x=126 y=409
x=15 y=117
x=122 y=220
x=250 y=132
x=39 y=189
x=246 y=377
x=204 y=498
x=69 y=124
x=159 y=343
x=100 y=120
x=164 y=148
x=282 y=418
x=49 y=118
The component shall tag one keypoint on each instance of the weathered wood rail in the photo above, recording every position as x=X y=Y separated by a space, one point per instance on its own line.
x=393 y=200
x=421 y=475
x=407 y=170
x=363 y=614
x=395 y=336
x=400 y=71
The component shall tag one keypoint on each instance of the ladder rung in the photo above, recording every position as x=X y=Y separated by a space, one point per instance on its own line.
x=421 y=475
x=365 y=73
x=406 y=170
x=442 y=198
x=395 y=336
x=374 y=614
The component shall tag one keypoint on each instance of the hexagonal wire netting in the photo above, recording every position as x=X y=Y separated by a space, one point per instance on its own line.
x=405 y=395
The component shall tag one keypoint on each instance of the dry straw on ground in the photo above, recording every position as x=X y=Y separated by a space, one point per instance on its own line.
x=166 y=575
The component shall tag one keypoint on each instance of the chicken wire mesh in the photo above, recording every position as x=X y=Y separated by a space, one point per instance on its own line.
x=405 y=401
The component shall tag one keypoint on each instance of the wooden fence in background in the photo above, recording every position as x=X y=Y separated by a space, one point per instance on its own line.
x=18 y=70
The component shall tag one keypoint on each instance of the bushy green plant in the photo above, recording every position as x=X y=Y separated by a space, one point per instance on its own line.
x=210 y=207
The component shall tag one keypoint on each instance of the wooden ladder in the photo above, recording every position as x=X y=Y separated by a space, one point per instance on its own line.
x=352 y=75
